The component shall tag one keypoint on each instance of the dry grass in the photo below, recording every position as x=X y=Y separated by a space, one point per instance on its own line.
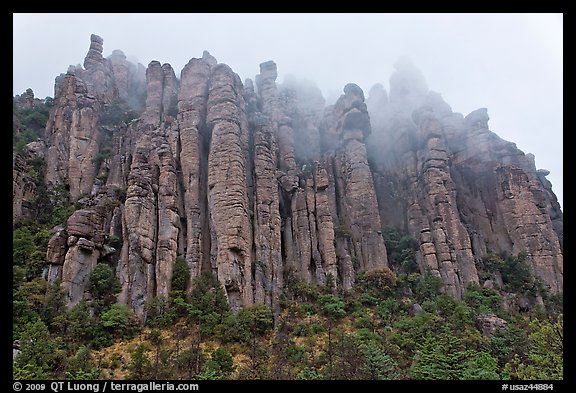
x=114 y=361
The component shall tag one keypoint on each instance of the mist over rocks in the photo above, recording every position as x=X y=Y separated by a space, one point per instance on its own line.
x=261 y=183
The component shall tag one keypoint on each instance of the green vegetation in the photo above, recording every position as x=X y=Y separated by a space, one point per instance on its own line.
x=117 y=112
x=514 y=270
x=180 y=277
x=120 y=322
x=29 y=124
x=543 y=356
x=483 y=300
x=103 y=285
x=29 y=243
x=445 y=356
x=322 y=332
x=401 y=250
x=103 y=155
x=51 y=207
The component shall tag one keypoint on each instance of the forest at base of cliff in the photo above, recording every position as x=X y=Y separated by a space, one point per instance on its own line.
x=390 y=326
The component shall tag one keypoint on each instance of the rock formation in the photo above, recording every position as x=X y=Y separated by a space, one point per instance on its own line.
x=230 y=227
x=357 y=207
x=465 y=190
x=490 y=324
x=261 y=184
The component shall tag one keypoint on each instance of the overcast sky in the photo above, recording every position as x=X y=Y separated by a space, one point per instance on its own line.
x=511 y=64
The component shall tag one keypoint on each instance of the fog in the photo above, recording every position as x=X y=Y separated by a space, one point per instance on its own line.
x=511 y=64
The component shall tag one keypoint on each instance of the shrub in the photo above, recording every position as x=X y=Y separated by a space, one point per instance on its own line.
x=160 y=312
x=117 y=112
x=401 y=250
x=120 y=322
x=516 y=273
x=103 y=285
x=223 y=361
x=482 y=300
x=102 y=156
x=308 y=373
x=308 y=308
x=208 y=305
x=301 y=290
x=381 y=280
x=81 y=325
x=180 y=275
x=39 y=353
x=301 y=329
x=376 y=363
x=317 y=328
x=332 y=306
x=428 y=286
x=257 y=318
x=81 y=367
x=140 y=364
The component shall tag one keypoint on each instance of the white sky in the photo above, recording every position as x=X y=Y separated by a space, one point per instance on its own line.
x=511 y=64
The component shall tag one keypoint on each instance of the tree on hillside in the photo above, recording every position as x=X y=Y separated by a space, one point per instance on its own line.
x=103 y=285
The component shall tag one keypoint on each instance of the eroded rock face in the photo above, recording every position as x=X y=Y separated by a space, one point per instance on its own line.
x=57 y=247
x=444 y=242
x=359 y=225
x=151 y=223
x=98 y=72
x=268 y=272
x=260 y=183
x=74 y=132
x=230 y=225
x=490 y=324
x=155 y=91
x=25 y=100
x=23 y=184
x=73 y=138
x=458 y=187
x=193 y=139
x=83 y=246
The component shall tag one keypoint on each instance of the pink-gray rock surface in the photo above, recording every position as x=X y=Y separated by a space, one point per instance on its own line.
x=261 y=184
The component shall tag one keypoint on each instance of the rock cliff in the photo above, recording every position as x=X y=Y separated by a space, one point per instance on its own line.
x=261 y=183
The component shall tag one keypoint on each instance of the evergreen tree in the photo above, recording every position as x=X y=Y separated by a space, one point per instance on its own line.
x=545 y=354
x=40 y=356
x=103 y=285
x=377 y=364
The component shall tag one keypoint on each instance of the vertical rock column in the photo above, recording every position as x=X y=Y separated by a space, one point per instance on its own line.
x=85 y=241
x=268 y=269
x=73 y=131
x=169 y=93
x=281 y=124
x=300 y=229
x=358 y=208
x=167 y=216
x=136 y=270
x=322 y=220
x=121 y=71
x=530 y=230
x=444 y=241
x=192 y=103
x=73 y=138
x=285 y=172
x=300 y=184
x=304 y=104
x=151 y=209
x=98 y=72
x=155 y=88
x=227 y=194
